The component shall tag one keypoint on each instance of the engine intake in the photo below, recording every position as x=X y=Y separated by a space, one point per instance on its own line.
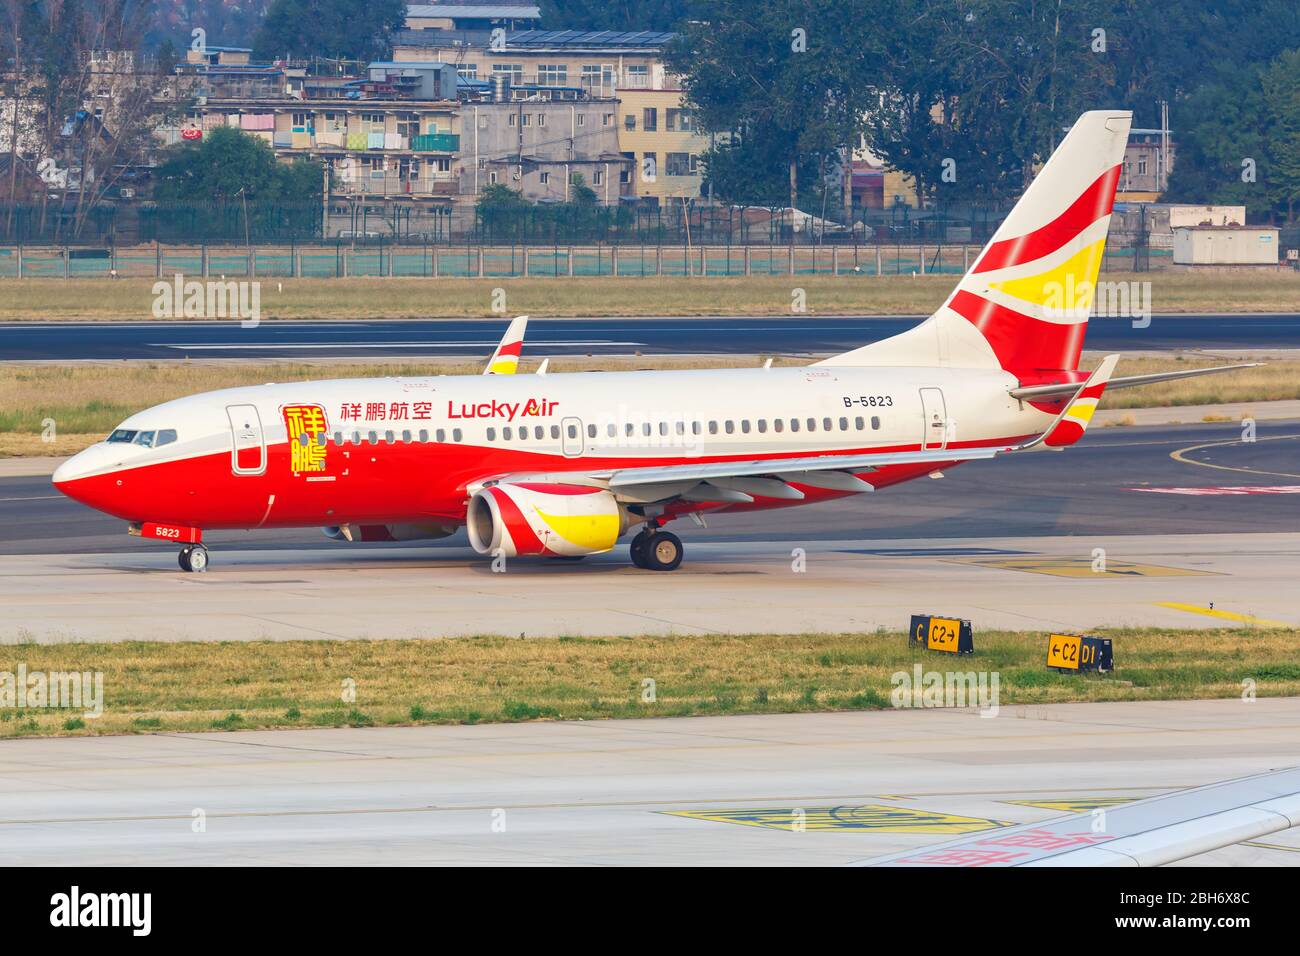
x=544 y=518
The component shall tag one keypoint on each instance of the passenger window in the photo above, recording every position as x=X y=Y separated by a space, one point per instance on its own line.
x=794 y=424
x=320 y=439
x=507 y=434
x=573 y=431
x=389 y=437
x=611 y=431
x=778 y=424
x=762 y=426
x=731 y=426
x=374 y=438
x=555 y=431
x=713 y=428
x=812 y=424
x=456 y=434
x=406 y=436
x=539 y=433
x=630 y=429
x=440 y=435
x=695 y=428
x=645 y=429
x=859 y=424
x=744 y=425
x=338 y=438
x=523 y=433
x=491 y=434
x=591 y=431
x=424 y=436
x=826 y=425
x=875 y=422
x=356 y=438
x=165 y=437
x=844 y=424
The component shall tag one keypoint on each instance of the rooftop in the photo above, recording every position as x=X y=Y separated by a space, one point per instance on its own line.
x=475 y=11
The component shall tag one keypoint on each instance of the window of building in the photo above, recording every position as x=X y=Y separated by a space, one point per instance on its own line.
x=515 y=71
x=678 y=121
x=525 y=119
x=582 y=119
x=467 y=71
x=678 y=164
x=513 y=120
x=541 y=119
x=650 y=119
x=552 y=74
x=606 y=119
x=546 y=178
x=492 y=177
x=638 y=77
x=598 y=177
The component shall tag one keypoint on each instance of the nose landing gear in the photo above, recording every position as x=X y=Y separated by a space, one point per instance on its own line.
x=657 y=550
x=193 y=557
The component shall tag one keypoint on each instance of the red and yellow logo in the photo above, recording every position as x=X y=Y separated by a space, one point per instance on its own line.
x=306 y=427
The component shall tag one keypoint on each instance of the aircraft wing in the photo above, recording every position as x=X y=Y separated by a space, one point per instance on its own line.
x=505 y=360
x=1149 y=832
x=1058 y=389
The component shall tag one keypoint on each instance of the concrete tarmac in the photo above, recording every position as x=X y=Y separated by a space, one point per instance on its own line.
x=693 y=791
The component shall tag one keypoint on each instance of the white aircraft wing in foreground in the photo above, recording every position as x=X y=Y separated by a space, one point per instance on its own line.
x=1148 y=832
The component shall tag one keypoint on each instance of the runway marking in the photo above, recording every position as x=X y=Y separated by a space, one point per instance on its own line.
x=1181 y=456
x=872 y=817
x=35 y=498
x=255 y=346
x=1272 y=846
x=927 y=552
x=1224 y=615
x=1079 y=805
x=1082 y=567
x=1226 y=490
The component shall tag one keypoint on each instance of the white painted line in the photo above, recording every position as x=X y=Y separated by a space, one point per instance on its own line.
x=370 y=345
x=35 y=498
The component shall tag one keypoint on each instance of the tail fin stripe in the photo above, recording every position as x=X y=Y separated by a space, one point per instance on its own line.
x=1020 y=341
x=1097 y=201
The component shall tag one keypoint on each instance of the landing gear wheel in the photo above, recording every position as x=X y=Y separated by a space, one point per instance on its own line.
x=193 y=557
x=638 y=549
x=663 y=552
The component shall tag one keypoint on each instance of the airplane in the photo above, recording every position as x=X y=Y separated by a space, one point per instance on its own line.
x=564 y=466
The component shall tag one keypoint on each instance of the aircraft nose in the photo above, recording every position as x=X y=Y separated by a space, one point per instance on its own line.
x=76 y=476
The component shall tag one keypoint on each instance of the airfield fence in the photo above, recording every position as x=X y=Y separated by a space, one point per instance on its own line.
x=340 y=260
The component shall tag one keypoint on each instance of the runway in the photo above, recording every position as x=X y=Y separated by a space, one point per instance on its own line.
x=413 y=339
x=1183 y=542
x=812 y=789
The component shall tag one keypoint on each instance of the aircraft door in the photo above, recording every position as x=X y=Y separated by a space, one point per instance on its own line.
x=934 y=417
x=571 y=437
x=248 y=447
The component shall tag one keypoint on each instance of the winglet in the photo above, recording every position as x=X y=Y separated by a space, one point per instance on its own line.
x=505 y=360
x=1073 y=420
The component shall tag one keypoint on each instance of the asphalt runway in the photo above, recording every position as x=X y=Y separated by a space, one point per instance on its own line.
x=1207 y=539
x=811 y=335
x=694 y=791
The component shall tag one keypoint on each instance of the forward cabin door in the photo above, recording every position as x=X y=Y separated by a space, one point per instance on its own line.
x=248 y=448
x=935 y=419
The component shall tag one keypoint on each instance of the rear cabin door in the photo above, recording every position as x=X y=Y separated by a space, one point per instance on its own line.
x=248 y=448
x=935 y=419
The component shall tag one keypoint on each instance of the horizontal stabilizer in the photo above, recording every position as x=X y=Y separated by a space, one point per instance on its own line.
x=1065 y=389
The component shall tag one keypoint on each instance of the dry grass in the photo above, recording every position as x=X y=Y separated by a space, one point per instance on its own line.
x=235 y=685
x=1273 y=381
x=127 y=299
x=87 y=400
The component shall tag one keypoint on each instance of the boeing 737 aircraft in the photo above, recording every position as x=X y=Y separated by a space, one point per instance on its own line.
x=565 y=465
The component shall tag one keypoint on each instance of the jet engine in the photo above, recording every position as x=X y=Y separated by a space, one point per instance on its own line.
x=544 y=518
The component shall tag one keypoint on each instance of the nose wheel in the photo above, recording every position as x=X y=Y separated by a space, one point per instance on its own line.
x=656 y=550
x=193 y=557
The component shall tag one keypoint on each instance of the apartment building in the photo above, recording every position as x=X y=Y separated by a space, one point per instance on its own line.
x=656 y=133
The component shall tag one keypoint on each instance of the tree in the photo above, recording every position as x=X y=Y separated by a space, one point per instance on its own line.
x=343 y=29
x=230 y=165
x=780 y=76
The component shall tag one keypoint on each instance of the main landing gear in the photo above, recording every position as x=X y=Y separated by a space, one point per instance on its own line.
x=193 y=557
x=657 y=550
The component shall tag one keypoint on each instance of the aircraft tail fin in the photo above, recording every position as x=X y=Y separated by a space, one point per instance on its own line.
x=505 y=360
x=1025 y=302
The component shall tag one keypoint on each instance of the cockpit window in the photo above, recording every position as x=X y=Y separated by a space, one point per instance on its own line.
x=165 y=437
x=123 y=435
x=145 y=439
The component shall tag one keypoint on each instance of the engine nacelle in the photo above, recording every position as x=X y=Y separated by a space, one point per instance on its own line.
x=547 y=518
x=387 y=532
